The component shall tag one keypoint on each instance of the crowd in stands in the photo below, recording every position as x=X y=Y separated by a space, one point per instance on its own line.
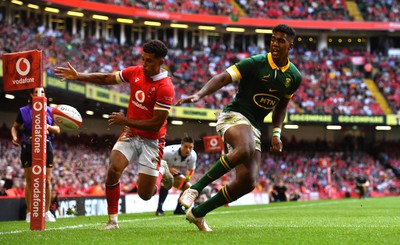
x=388 y=80
x=331 y=82
x=333 y=85
x=81 y=162
x=299 y=9
x=381 y=10
x=205 y=7
x=335 y=10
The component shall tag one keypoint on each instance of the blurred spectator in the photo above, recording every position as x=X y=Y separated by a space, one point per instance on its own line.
x=279 y=192
x=2 y=189
x=55 y=208
x=362 y=185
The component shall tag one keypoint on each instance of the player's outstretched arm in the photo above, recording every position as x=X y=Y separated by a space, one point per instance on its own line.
x=69 y=73
x=215 y=83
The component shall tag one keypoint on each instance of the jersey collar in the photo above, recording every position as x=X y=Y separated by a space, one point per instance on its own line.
x=274 y=66
x=161 y=75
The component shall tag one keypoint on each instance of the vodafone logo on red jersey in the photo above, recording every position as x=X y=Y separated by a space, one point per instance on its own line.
x=140 y=96
x=23 y=71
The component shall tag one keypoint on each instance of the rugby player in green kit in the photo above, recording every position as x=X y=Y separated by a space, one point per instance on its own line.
x=266 y=83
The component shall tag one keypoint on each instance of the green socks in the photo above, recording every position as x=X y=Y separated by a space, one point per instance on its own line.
x=221 y=167
x=223 y=197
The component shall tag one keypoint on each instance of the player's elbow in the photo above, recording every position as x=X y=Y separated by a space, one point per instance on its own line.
x=154 y=128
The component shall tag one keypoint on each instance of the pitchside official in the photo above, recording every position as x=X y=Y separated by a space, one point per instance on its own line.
x=180 y=158
x=24 y=118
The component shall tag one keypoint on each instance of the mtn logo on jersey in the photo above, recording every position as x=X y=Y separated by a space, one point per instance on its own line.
x=265 y=101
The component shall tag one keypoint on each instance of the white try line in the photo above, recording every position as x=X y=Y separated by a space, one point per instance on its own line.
x=85 y=225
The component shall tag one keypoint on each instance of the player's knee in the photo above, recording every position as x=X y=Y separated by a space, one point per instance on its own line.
x=145 y=196
x=249 y=187
x=114 y=172
x=245 y=152
x=248 y=183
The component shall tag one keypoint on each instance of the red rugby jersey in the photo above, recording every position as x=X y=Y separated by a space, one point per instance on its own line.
x=147 y=95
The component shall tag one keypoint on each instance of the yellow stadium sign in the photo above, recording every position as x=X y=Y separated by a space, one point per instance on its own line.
x=77 y=88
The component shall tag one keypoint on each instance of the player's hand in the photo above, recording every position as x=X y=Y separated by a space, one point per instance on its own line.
x=276 y=144
x=174 y=171
x=117 y=118
x=15 y=142
x=190 y=99
x=66 y=73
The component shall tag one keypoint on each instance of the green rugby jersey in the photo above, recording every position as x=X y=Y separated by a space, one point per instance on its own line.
x=261 y=86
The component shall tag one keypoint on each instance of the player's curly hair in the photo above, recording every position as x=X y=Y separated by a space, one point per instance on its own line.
x=155 y=47
x=289 y=31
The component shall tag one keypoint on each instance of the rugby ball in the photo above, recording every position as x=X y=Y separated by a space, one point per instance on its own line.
x=66 y=117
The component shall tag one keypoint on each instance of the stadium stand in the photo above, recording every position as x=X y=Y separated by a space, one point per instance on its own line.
x=316 y=10
x=209 y=7
x=331 y=83
x=379 y=10
x=313 y=10
x=360 y=10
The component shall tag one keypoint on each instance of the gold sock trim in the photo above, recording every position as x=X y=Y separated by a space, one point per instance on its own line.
x=225 y=164
x=226 y=194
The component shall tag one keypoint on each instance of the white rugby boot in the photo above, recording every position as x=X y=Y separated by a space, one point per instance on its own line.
x=198 y=221
x=188 y=197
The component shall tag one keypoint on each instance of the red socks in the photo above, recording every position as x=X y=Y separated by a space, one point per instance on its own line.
x=113 y=194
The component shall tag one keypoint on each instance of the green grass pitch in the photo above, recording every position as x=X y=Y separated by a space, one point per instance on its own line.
x=347 y=221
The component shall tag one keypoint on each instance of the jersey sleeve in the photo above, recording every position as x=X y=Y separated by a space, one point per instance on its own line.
x=165 y=96
x=124 y=75
x=238 y=70
x=19 y=118
x=49 y=117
